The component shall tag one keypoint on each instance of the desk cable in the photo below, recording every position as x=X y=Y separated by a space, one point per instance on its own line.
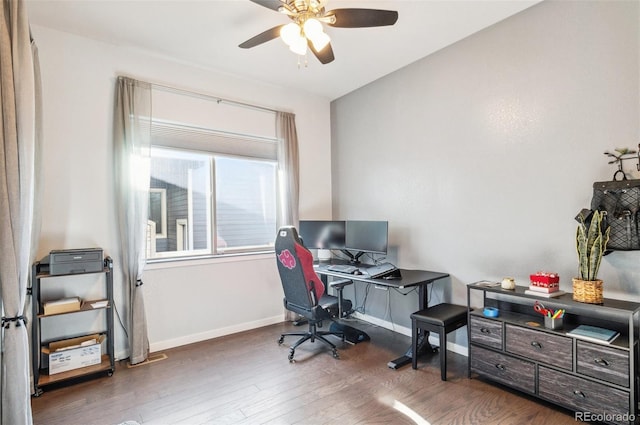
x=361 y=309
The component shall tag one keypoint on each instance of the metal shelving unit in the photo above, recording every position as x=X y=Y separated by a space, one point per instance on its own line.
x=41 y=376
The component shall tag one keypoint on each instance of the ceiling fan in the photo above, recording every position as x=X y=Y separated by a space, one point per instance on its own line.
x=306 y=30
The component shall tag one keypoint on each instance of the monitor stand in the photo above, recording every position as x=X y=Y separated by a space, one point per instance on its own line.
x=353 y=258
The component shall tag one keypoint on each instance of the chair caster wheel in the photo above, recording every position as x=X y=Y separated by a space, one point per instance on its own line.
x=335 y=354
x=291 y=353
x=281 y=340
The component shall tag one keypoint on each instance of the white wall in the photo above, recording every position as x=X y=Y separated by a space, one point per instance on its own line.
x=187 y=301
x=481 y=155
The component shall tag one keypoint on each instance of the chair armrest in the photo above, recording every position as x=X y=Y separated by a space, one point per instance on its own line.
x=339 y=284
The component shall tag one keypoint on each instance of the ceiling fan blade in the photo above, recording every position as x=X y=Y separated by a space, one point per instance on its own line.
x=263 y=37
x=361 y=18
x=269 y=4
x=325 y=55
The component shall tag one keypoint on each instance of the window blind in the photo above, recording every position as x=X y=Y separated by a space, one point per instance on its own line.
x=169 y=134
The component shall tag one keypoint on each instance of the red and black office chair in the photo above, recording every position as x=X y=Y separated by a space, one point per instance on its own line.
x=304 y=292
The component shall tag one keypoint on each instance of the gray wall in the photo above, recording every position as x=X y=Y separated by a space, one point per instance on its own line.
x=481 y=155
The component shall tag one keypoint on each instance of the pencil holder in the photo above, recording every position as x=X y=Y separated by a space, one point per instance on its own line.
x=551 y=323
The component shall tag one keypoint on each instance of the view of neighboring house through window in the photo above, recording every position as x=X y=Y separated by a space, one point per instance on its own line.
x=212 y=191
x=214 y=204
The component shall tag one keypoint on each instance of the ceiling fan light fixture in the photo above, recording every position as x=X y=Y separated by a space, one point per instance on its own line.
x=316 y=5
x=312 y=27
x=290 y=33
x=314 y=32
x=320 y=41
x=286 y=10
x=327 y=19
x=299 y=46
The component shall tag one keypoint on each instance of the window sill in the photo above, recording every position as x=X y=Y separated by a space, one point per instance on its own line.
x=166 y=263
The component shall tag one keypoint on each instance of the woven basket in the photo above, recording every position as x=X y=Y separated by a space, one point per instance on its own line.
x=587 y=291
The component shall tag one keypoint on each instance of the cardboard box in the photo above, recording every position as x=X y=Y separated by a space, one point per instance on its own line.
x=64 y=305
x=74 y=353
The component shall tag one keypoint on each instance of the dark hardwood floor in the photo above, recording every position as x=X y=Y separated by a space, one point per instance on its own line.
x=246 y=379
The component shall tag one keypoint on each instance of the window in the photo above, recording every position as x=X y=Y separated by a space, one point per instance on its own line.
x=211 y=192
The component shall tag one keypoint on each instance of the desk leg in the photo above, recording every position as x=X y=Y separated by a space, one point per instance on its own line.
x=424 y=347
x=423 y=338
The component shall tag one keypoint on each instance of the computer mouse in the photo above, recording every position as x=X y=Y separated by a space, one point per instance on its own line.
x=357 y=272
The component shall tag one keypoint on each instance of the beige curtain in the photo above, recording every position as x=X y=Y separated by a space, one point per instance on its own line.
x=19 y=152
x=289 y=167
x=132 y=145
x=289 y=176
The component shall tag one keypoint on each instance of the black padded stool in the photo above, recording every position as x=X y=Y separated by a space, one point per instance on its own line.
x=442 y=318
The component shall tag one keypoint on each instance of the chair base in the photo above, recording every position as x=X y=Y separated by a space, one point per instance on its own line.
x=312 y=334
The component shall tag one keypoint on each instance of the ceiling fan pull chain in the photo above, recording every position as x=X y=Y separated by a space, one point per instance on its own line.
x=306 y=62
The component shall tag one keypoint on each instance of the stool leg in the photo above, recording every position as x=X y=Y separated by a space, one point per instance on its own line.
x=443 y=354
x=414 y=344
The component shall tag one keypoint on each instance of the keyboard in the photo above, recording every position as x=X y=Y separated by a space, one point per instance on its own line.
x=342 y=268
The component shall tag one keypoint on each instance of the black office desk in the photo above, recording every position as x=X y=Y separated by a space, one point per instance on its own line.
x=410 y=278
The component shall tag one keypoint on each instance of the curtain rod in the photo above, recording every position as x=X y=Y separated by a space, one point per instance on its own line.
x=210 y=97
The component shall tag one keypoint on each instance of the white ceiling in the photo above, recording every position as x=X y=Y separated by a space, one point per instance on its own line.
x=206 y=33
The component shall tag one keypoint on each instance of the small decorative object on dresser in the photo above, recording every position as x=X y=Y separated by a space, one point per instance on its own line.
x=544 y=282
x=508 y=283
x=591 y=242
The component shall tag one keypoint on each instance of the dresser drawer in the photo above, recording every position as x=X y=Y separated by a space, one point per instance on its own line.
x=606 y=363
x=541 y=346
x=583 y=395
x=485 y=331
x=505 y=369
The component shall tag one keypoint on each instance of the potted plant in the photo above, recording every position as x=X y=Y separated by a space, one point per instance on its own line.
x=591 y=243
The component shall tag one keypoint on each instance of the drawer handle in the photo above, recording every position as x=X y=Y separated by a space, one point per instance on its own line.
x=579 y=394
x=501 y=367
x=485 y=330
x=536 y=344
x=601 y=362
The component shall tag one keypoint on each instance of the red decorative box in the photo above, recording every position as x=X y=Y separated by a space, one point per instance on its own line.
x=550 y=281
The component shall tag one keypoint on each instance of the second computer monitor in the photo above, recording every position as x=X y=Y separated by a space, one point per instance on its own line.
x=366 y=236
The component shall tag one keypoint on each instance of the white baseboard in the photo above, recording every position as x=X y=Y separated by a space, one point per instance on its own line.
x=214 y=333
x=451 y=346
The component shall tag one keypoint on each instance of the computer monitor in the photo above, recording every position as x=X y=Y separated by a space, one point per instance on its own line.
x=366 y=236
x=322 y=234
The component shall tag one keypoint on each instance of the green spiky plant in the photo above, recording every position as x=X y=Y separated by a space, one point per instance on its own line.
x=591 y=243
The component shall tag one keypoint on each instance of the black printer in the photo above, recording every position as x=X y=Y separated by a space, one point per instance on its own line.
x=70 y=261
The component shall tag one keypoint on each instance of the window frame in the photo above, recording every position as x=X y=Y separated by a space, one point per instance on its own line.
x=215 y=251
